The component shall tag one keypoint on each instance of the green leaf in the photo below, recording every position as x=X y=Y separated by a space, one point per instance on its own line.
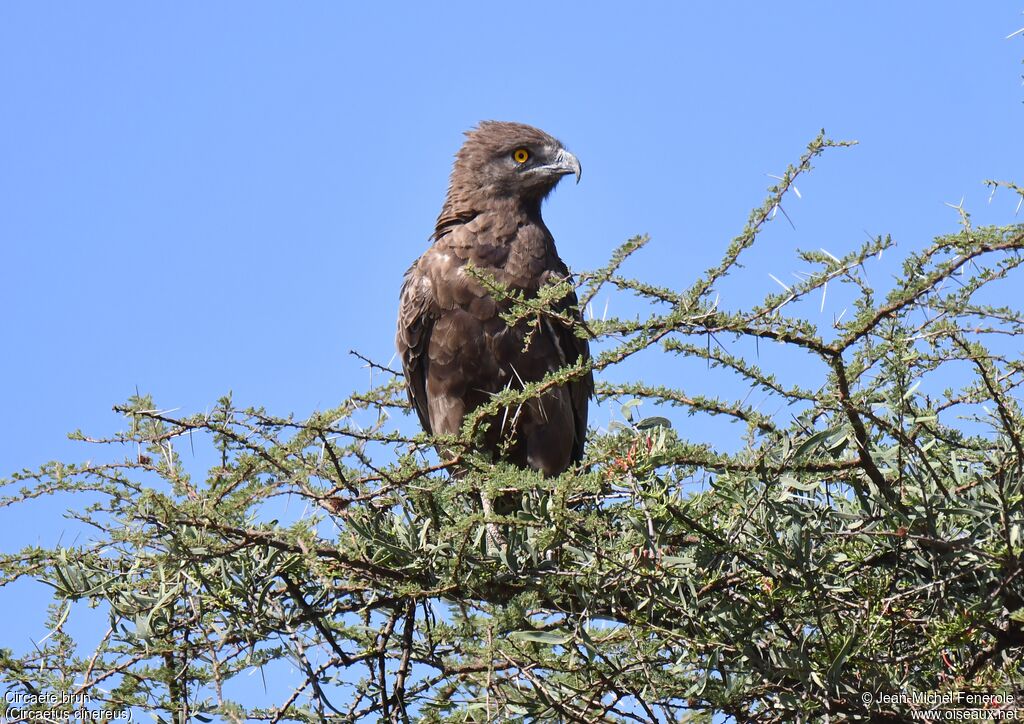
x=551 y=638
x=649 y=422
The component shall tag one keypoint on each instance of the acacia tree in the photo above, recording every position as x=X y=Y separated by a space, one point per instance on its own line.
x=863 y=541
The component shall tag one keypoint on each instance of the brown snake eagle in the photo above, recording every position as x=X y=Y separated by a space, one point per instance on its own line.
x=456 y=349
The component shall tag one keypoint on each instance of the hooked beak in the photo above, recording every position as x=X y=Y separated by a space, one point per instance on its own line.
x=565 y=163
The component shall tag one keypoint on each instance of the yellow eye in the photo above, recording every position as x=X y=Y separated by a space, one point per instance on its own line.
x=520 y=155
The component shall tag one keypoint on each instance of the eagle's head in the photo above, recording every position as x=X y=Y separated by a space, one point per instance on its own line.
x=500 y=158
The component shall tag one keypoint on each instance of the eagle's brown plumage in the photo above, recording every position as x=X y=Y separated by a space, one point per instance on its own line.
x=456 y=350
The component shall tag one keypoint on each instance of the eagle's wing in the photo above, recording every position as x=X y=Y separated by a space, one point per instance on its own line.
x=416 y=315
x=575 y=348
x=581 y=390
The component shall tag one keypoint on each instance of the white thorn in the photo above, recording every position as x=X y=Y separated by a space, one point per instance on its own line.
x=779 y=282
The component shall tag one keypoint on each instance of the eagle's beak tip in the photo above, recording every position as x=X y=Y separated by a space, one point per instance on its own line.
x=570 y=163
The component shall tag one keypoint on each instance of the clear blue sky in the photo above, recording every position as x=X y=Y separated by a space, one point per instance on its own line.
x=204 y=197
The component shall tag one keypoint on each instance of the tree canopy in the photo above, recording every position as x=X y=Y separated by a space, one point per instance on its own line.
x=860 y=539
